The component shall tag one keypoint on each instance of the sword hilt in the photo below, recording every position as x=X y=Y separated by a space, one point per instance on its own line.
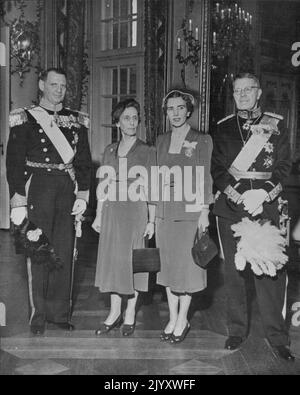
x=78 y=228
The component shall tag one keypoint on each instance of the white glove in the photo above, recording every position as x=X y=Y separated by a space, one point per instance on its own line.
x=149 y=231
x=79 y=207
x=203 y=222
x=253 y=199
x=258 y=211
x=18 y=214
x=296 y=231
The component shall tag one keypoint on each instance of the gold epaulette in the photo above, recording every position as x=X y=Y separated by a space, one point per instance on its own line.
x=83 y=119
x=17 y=117
x=273 y=115
x=225 y=119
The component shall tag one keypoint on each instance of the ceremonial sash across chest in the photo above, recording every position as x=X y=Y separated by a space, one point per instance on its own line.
x=254 y=146
x=54 y=133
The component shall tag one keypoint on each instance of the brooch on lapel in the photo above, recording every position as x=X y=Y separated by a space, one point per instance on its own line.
x=189 y=147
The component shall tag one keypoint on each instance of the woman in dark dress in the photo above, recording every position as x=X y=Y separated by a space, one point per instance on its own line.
x=177 y=219
x=123 y=223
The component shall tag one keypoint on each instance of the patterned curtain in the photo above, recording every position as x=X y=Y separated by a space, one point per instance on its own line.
x=156 y=17
x=71 y=43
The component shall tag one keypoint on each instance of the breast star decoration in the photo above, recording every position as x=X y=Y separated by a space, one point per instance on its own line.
x=268 y=162
x=269 y=148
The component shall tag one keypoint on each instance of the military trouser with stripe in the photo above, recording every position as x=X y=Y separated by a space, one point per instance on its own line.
x=50 y=202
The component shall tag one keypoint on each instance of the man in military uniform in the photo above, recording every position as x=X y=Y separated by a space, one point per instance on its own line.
x=249 y=172
x=48 y=172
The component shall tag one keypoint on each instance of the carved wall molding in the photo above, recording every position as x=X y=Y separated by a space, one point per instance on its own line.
x=156 y=32
x=205 y=66
x=24 y=21
x=71 y=42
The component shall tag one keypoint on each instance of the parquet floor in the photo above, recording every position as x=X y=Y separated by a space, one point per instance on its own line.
x=81 y=353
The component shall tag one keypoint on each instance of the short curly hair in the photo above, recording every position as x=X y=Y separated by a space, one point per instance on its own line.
x=121 y=107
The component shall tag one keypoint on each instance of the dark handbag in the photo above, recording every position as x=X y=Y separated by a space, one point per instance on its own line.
x=146 y=260
x=204 y=249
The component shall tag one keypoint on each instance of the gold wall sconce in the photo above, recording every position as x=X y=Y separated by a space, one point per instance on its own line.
x=190 y=51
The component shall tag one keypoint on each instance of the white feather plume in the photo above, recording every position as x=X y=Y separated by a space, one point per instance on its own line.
x=260 y=244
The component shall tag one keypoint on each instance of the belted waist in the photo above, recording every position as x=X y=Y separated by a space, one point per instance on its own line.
x=52 y=166
x=250 y=175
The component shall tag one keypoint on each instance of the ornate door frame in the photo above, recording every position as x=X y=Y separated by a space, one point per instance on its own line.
x=156 y=47
x=205 y=66
x=4 y=127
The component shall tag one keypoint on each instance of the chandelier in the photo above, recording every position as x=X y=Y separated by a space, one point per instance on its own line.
x=231 y=27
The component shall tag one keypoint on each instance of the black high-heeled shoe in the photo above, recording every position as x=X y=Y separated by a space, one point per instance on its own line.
x=128 y=330
x=164 y=336
x=105 y=328
x=180 y=338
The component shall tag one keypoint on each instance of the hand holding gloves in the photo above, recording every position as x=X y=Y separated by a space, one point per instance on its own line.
x=253 y=201
x=18 y=214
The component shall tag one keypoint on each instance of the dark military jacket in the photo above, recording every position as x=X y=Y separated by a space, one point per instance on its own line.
x=29 y=142
x=274 y=159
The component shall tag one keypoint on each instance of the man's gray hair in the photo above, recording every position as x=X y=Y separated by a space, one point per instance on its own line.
x=247 y=75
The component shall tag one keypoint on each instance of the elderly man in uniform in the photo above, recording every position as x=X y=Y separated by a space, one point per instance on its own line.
x=249 y=177
x=48 y=172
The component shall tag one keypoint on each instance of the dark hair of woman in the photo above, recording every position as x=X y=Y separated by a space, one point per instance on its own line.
x=121 y=107
x=187 y=97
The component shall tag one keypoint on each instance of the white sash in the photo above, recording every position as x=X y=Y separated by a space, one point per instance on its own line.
x=255 y=144
x=54 y=133
x=250 y=151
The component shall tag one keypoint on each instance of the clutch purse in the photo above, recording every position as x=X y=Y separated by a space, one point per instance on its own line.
x=146 y=260
x=204 y=249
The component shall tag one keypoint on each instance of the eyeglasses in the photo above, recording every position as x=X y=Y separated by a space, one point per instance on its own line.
x=246 y=90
